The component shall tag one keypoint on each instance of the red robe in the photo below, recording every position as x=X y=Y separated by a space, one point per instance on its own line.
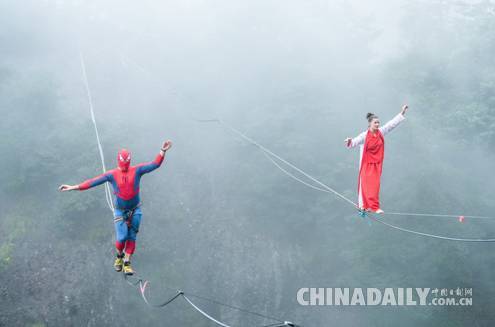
x=370 y=168
x=370 y=171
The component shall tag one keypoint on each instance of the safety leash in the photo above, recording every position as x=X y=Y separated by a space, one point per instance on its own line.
x=108 y=192
x=143 y=284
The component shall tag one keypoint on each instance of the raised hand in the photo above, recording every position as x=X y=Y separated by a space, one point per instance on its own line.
x=166 y=145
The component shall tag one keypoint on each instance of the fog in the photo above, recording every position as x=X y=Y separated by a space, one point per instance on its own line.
x=219 y=219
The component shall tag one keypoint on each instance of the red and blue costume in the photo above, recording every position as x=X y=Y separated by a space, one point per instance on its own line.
x=125 y=181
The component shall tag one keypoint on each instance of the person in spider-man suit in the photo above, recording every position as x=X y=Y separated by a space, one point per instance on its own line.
x=125 y=181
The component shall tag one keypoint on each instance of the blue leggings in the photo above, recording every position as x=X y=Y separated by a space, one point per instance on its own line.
x=124 y=232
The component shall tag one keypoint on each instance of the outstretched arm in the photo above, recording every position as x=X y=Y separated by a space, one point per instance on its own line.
x=145 y=168
x=358 y=140
x=394 y=122
x=98 y=180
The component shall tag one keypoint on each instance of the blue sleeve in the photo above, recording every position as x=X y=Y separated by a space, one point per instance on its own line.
x=98 y=180
x=145 y=168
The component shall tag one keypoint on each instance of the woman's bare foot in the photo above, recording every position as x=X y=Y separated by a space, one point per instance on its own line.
x=379 y=211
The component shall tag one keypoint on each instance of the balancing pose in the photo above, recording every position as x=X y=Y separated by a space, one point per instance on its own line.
x=372 y=145
x=125 y=181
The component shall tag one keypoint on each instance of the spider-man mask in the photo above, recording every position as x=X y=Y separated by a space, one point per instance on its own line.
x=124 y=159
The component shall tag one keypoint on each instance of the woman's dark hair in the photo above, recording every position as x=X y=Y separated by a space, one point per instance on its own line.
x=370 y=116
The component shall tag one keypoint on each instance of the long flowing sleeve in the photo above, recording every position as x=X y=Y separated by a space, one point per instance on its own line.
x=358 y=140
x=391 y=124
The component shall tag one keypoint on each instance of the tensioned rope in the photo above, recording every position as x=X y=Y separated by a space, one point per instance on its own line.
x=108 y=192
x=264 y=149
x=435 y=215
x=144 y=283
x=328 y=189
x=186 y=295
x=387 y=213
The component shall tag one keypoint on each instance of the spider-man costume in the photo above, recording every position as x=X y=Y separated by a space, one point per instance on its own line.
x=125 y=183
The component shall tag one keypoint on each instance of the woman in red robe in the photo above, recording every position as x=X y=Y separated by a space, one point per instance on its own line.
x=372 y=144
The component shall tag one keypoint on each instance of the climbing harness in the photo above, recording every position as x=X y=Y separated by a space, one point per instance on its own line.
x=127 y=215
x=143 y=284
